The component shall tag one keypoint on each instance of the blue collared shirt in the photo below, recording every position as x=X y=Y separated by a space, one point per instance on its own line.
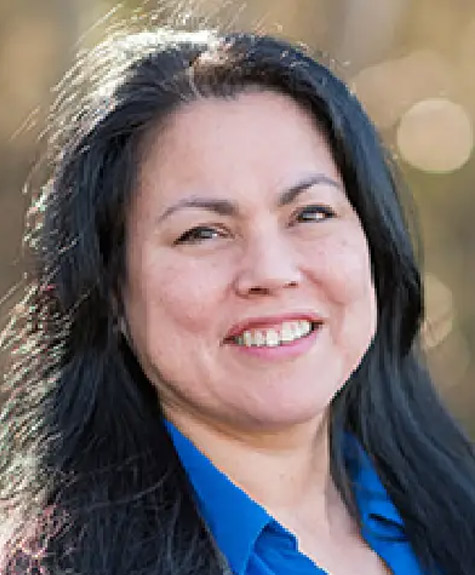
x=256 y=544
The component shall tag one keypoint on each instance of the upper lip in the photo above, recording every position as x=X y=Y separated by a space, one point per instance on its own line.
x=271 y=321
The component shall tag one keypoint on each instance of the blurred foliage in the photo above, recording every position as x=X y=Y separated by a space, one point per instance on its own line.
x=393 y=53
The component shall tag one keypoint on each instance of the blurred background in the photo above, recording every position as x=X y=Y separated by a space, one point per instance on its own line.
x=411 y=63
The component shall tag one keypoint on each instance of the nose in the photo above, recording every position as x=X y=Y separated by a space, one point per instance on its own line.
x=268 y=265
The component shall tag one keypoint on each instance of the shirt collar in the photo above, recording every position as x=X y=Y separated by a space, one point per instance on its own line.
x=236 y=521
x=377 y=511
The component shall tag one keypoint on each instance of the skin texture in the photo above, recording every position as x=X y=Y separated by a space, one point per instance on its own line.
x=264 y=243
x=182 y=299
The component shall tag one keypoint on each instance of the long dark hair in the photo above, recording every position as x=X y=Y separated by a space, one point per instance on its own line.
x=90 y=481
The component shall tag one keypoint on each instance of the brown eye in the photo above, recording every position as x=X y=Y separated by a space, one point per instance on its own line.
x=315 y=213
x=198 y=234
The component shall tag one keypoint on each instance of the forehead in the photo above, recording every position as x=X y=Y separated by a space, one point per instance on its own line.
x=255 y=138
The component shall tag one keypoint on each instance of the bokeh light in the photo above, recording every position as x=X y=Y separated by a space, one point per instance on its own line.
x=389 y=88
x=435 y=135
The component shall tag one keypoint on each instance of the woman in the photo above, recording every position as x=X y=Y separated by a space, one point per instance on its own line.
x=216 y=366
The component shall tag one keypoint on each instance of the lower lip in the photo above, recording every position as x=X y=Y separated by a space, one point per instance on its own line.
x=283 y=351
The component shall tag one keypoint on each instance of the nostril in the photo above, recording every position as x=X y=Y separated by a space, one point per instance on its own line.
x=264 y=290
x=258 y=290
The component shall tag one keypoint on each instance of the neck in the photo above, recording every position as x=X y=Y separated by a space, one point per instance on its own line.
x=287 y=471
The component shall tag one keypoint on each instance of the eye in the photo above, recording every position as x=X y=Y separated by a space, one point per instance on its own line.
x=199 y=234
x=314 y=213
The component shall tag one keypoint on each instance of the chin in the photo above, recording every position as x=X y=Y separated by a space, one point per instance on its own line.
x=288 y=416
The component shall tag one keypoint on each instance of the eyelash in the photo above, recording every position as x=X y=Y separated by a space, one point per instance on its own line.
x=323 y=213
x=192 y=236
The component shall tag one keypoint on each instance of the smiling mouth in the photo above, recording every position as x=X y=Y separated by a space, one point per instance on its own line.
x=286 y=334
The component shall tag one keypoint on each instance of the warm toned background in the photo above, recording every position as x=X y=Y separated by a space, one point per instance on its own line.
x=412 y=62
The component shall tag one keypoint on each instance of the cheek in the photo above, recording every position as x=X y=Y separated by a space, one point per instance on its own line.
x=357 y=298
x=177 y=295
x=344 y=269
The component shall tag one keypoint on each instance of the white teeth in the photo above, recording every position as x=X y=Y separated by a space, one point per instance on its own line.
x=305 y=327
x=272 y=338
x=247 y=338
x=289 y=331
x=286 y=333
x=258 y=338
x=295 y=326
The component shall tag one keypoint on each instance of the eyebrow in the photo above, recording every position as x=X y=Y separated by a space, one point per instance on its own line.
x=228 y=208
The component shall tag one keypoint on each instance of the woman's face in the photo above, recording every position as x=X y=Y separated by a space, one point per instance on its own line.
x=248 y=296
